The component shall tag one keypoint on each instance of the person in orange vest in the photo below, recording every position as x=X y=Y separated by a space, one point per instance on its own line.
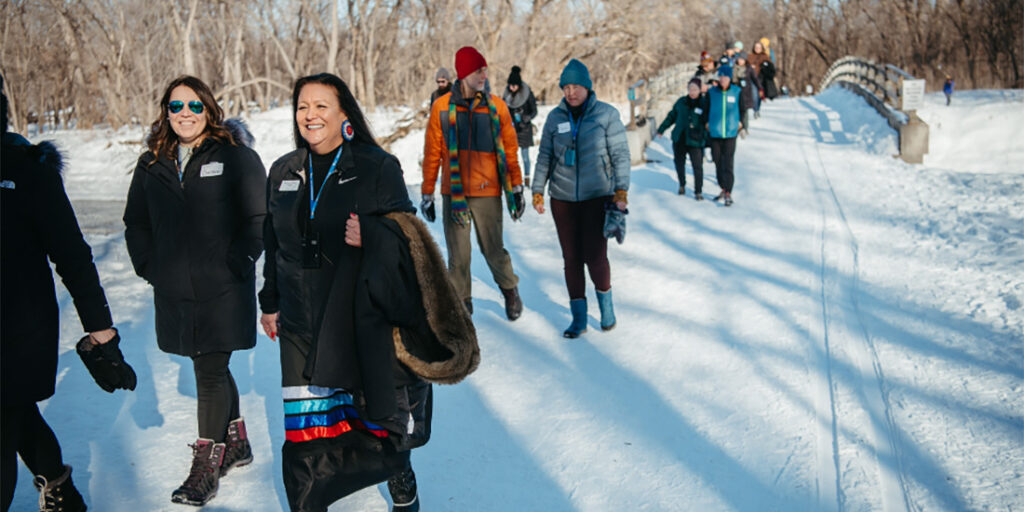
x=471 y=138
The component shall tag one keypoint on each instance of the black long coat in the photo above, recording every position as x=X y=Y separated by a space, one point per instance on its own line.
x=197 y=241
x=36 y=223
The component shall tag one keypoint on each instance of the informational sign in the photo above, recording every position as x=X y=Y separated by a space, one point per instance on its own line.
x=912 y=94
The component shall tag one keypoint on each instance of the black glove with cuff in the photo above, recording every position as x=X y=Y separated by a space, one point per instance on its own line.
x=106 y=364
x=427 y=207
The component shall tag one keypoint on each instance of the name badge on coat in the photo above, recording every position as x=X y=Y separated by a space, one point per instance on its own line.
x=698 y=111
x=730 y=99
x=211 y=169
x=564 y=127
x=288 y=186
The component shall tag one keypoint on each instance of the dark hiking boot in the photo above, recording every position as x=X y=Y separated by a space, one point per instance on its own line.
x=526 y=182
x=403 y=491
x=698 y=196
x=513 y=304
x=682 y=190
x=720 y=196
x=579 y=318
x=469 y=305
x=604 y=303
x=237 y=451
x=728 y=199
x=202 y=482
x=59 y=494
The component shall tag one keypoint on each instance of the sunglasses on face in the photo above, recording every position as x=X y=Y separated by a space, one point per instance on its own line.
x=176 y=106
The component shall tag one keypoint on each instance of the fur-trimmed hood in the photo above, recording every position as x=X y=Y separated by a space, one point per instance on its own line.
x=45 y=153
x=240 y=131
x=447 y=316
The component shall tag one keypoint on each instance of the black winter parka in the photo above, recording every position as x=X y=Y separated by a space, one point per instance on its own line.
x=37 y=223
x=197 y=241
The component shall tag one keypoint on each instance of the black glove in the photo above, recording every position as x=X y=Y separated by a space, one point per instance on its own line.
x=106 y=364
x=427 y=207
x=520 y=204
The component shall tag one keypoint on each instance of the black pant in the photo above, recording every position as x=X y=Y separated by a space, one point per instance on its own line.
x=722 y=152
x=580 y=227
x=680 y=151
x=26 y=433
x=217 y=394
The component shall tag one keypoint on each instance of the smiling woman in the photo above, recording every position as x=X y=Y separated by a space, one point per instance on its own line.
x=193 y=226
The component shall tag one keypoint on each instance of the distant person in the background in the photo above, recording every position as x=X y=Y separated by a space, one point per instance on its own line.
x=689 y=114
x=768 y=48
x=758 y=56
x=744 y=76
x=523 y=107
x=729 y=57
x=37 y=226
x=947 y=89
x=584 y=164
x=444 y=84
x=706 y=72
x=724 y=105
x=194 y=229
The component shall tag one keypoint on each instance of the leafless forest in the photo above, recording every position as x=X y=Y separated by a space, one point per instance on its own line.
x=90 y=62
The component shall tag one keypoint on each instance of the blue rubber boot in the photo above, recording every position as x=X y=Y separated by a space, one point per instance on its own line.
x=579 y=318
x=604 y=302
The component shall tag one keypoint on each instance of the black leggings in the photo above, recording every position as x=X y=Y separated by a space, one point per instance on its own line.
x=26 y=433
x=680 y=151
x=217 y=394
x=722 y=152
x=580 y=227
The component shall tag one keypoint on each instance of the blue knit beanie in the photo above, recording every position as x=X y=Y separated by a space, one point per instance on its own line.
x=725 y=70
x=575 y=73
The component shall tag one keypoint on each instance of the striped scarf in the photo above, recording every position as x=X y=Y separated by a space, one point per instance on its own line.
x=314 y=412
x=460 y=209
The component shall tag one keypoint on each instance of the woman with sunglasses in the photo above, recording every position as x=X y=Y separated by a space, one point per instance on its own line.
x=193 y=226
x=342 y=291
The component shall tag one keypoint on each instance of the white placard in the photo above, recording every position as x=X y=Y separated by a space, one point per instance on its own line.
x=912 y=95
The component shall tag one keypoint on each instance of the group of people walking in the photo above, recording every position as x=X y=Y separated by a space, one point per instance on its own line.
x=351 y=290
x=715 y=110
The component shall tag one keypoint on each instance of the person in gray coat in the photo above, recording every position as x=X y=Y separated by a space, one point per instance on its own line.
x=584 y=164
x=523 y=107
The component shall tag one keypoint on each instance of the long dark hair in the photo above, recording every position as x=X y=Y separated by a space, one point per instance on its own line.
x=348 y=103
x=162 y=140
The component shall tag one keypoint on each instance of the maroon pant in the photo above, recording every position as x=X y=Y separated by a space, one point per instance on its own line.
x=580 y=229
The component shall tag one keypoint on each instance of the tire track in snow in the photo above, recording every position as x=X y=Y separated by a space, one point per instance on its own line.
x=844 y=332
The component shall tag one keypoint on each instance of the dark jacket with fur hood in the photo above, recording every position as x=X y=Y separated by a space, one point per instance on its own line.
x=197 y=241
x=38 y=225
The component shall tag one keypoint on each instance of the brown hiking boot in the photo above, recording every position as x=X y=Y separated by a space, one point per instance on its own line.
x=513 y=304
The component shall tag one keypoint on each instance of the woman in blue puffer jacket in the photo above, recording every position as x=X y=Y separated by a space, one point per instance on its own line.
x=584 y=162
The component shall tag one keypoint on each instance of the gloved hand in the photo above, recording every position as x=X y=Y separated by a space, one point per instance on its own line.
x=520 y=203
x=106 y=364
x=427 y=207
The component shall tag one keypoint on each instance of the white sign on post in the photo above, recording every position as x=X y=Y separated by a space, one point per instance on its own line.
x=912 y=95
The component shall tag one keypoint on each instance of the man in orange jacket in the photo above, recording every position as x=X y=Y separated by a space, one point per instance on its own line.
x=470 y=136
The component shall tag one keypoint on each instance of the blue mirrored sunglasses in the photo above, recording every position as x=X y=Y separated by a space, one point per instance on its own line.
x=175 y=106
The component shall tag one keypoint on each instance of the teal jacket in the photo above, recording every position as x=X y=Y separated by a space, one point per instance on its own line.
x=724 y=112
x=689 y=115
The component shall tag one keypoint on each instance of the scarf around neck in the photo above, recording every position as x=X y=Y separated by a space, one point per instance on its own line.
x=460 y=209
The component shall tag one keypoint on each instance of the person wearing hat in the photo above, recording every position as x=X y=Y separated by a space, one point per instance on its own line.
x=689 y=114
x=444 y=84
x=729 y=57
x=471 y=138
x=523 y=106
x=706 y=72
x=724 y=106
x=584 y=163
x=947 y=89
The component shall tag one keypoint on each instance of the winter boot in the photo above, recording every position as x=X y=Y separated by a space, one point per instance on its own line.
x=202 y=482
x=469 y=305
x=604 y=303
x=513 y=304
x=579 y=318
x=59 y=495
x=698 y=196
x=237 y=451
x=682 y=190
x=728 y=199
x=402 y=487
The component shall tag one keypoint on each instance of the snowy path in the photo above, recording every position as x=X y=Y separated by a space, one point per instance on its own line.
x=847 y=336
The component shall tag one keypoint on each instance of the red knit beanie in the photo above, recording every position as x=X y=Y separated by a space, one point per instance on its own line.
x=468 y=60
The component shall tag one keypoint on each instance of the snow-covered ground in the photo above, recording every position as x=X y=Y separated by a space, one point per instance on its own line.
x=848 y=336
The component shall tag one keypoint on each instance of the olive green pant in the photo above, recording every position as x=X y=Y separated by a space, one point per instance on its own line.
x=486 y=218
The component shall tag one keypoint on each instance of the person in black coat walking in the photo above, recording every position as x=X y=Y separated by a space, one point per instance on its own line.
x=523 y=107
x=193 y=225
x=689 y=114
x=343 y=388
x=38 y=225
